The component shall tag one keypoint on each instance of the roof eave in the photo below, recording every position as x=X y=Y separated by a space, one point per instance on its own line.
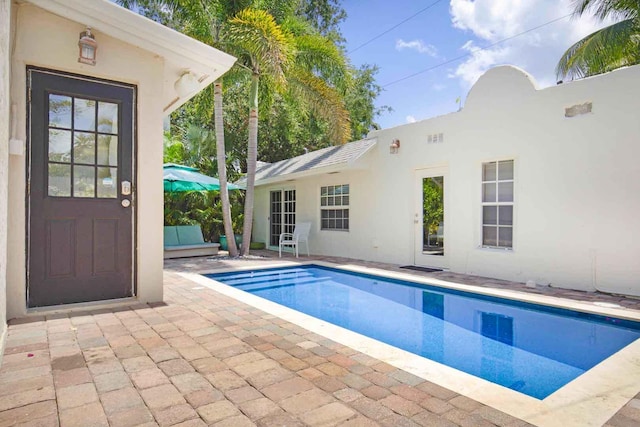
x=355 y=160
x=336 y=168
x=305 y=174
x=356 y=163
x=181 y=53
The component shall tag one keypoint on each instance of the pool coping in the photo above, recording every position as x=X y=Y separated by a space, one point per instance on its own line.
x=589 y=400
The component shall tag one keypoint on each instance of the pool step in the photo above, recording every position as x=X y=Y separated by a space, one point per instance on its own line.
x=254 y=287
x=235 y=281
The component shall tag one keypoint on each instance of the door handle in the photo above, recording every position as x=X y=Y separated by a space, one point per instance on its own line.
x=125 y=203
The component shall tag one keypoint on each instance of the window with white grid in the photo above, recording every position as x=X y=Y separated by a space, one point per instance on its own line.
x=334 y=207
x=497 y=204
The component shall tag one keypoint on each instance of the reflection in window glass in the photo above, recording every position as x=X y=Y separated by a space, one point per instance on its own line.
x=59 y=145
x=83 y=134
x=107 y=179
x=59 y=180
x=497 y=204
x=84 y=147
x=489 y=171
x=83 y=181
x=433 y=238
x=337 y=216
x=505 y=237
x=489 y=236
x=108 y=150
x=506 y=215
x=107 y=117
x=505 y=191
x=489 y=192
x=84 y=114
x=490 y=215
x=59 y=111
x=505 y=170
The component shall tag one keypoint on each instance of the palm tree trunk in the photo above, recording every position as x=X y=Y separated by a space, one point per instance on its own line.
x=252 y=157
x=222 y=168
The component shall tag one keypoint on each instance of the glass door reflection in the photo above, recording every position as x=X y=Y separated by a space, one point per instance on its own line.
x=433 y=215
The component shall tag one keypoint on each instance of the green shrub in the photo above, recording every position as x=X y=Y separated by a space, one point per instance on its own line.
x=257 y=245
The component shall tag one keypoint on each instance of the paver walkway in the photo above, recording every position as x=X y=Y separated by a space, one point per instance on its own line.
x=201 y=358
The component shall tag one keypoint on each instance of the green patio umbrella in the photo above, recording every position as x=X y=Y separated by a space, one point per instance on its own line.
x=179 y=178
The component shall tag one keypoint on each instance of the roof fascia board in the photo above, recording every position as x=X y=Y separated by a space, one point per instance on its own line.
x=339 y=167
x=142 y=32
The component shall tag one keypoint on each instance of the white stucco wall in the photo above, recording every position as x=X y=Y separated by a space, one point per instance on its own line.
x=5 y=46
x=50 y=41
x=577 y=185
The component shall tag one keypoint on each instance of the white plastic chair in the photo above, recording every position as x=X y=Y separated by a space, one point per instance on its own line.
x=300 y=234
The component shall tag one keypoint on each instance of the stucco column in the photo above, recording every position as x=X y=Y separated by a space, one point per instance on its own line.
x=5 y=69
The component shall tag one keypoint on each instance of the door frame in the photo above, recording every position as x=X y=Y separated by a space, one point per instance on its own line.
x=282 y=190
x=134 y=177
x=419 y=257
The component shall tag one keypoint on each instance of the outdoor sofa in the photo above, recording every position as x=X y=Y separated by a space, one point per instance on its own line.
x=186 y=241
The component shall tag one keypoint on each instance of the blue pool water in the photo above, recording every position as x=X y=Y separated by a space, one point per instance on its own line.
x=530 y=348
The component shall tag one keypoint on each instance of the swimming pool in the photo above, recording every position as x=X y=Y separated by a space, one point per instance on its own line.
x=530 y=348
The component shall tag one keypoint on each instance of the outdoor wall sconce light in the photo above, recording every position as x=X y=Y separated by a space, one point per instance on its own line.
x=87 y=48
x=186 y=84
x=395 y=145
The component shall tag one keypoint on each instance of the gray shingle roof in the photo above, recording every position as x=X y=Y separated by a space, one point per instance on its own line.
x=330 y=156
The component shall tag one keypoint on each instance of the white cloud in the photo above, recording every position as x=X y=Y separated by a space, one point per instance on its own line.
x=479 y=62
x=438 y=87
x=417 y=45
x=537 y=52
x=411 y=119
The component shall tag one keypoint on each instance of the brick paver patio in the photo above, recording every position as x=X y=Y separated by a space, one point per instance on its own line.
x=201 y=358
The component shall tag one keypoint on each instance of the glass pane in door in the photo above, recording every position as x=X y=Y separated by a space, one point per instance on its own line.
x=433 y=215
x=275 y=216
x=282 y=214
x=289 y=220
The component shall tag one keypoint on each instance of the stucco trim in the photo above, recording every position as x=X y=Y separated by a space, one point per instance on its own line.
x=182 y=53
x=139 y=31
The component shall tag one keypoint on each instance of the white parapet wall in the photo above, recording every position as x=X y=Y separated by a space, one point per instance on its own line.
x=575 y=150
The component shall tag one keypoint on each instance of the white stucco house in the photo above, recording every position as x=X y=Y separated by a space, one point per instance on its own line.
x=81 y=196
x=535 y=184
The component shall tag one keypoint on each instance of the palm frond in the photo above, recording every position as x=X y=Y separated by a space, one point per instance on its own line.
x=319 y=55
x=604 y=50
x=279 y=9
x=256 y=34
x=324 y=100
x=602 y=9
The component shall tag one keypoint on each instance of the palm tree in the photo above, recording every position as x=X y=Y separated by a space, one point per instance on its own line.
x=291 y=58
x=282 y=54
x=612 y=47
x=202 y=24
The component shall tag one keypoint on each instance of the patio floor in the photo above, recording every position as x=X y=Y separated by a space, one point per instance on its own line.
x=201 y=358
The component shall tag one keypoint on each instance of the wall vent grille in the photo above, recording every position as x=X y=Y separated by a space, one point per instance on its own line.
x=435 y=138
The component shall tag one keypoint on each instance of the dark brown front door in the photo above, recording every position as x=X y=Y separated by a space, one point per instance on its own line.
x=80 y=224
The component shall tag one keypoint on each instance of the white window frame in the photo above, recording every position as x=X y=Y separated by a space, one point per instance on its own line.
x=497 y=203
x=332 y=200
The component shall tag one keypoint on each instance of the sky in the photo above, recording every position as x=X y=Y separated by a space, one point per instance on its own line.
x=450 y=29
